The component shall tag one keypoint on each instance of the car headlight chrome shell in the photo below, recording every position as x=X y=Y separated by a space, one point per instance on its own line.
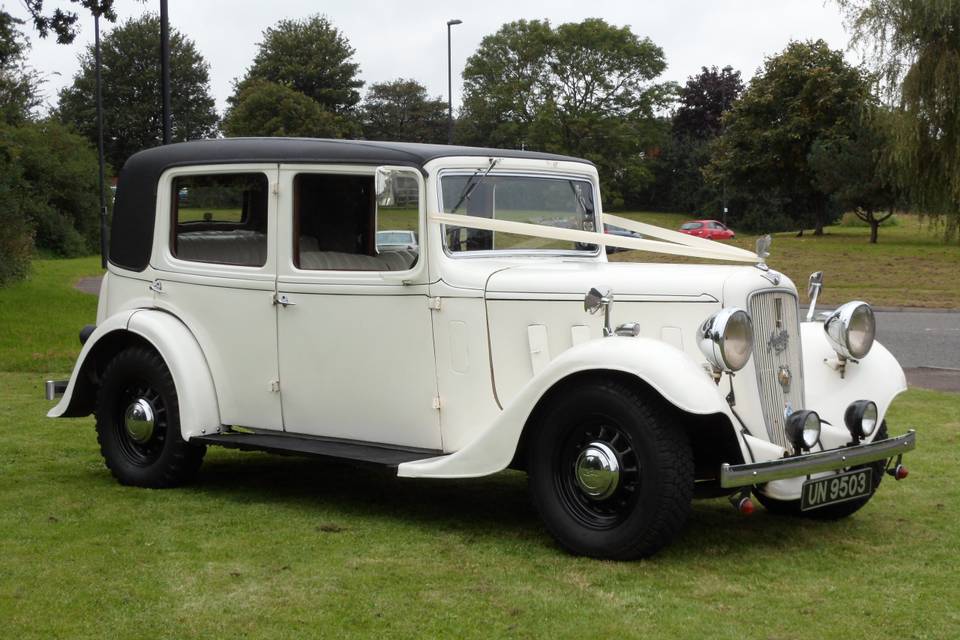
x=726 y=339
x=851 y=330
x=861 y=419
x=803 y=429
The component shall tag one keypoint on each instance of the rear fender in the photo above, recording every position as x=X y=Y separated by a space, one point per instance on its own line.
x=666 y=369
x=199 y=413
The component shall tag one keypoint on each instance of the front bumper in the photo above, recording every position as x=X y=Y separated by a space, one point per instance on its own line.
x=743 y=475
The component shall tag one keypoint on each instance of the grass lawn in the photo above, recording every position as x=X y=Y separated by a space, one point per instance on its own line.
x=909 y=267
x=278 y=547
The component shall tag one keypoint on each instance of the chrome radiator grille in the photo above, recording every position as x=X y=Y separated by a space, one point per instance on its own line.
x=778 y=359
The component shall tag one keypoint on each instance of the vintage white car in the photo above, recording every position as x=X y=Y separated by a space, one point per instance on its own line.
x=259 y=314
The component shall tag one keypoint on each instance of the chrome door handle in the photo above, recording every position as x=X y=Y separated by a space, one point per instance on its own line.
x=282 y=300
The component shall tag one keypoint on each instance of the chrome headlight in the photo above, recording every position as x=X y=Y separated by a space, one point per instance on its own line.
x=861 y=419
x=726 y=339
x=803 y=429
x=851 y=329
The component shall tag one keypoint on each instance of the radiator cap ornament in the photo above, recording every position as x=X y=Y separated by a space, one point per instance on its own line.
x=763 y=250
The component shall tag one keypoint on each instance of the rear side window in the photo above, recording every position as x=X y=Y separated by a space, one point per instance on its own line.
x=691 y=225
x=220 y=218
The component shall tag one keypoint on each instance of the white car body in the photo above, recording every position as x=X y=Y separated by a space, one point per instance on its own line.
x=452 y=356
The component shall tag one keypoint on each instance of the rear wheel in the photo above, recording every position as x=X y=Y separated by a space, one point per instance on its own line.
x=138 y=423
x=610 y=472
x=833 y=511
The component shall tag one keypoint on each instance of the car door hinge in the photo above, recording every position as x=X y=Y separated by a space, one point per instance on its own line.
x=433 y=303
x=156 y=286
x=276 y=188
x=436 y=402
x=275 y=386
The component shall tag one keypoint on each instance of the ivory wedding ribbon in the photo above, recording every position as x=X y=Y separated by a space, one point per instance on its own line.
x=679 y=244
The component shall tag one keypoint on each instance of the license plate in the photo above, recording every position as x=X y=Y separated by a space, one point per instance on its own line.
x=835 y=489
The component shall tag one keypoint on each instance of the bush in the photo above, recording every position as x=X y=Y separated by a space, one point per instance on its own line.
x=16 y=239
x=58 y=190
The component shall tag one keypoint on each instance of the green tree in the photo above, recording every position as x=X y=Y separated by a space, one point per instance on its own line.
x=310 y=56
x=19 y=95
x=914 y=45
x=804 y=94
x=697 y=121
x=402 y=110
x=854 y=172
x=580 y=88
x=268 y=109
x=132 y=102
x=64 y=22
x=56 y=190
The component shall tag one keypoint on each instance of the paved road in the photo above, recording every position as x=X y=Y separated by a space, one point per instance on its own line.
x=921 y=338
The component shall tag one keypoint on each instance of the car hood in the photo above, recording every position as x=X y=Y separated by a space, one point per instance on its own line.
x=627 y=281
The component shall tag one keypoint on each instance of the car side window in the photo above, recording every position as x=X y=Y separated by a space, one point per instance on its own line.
x=220 y=218
x=340 y=226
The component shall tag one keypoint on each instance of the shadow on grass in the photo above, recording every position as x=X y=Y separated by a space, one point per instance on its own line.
x=494 y=509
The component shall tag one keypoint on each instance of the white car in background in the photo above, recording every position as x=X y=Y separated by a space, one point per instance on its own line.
x=261 y=313
x=397 y=239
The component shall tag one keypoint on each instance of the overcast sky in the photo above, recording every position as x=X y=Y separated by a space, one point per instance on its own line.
x=408 y=39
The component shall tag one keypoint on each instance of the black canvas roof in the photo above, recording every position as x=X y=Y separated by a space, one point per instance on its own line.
x=131 y=236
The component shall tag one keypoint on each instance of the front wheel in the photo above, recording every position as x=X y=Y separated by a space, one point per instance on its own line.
x=833 y=511
x=138 y=423
x=610 y=472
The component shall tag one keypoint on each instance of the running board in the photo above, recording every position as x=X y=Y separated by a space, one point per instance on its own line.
x=363 y=452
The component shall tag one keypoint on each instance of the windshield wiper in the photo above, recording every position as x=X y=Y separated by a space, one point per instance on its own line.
x=473 y=182
x=586 y=206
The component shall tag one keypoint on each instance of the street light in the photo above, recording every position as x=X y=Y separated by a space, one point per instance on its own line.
x=450 y=23
x=165 y=69
x=104 y=249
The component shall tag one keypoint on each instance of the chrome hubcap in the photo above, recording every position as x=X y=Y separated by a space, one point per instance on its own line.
x=139 y=420
x=598 y=471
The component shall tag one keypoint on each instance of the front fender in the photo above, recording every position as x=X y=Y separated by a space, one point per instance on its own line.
x=669 y=371
x=196 y=394
x=877 y=377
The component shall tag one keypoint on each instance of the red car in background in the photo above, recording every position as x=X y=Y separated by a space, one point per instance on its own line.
x=710 y=229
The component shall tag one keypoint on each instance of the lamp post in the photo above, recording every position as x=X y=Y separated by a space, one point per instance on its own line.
x=100 y=159
x=450 y=23
x=165 y=69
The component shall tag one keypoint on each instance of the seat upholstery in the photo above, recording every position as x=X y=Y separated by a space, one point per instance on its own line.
x=243 y=247
x=237 y=246
x=338 y=261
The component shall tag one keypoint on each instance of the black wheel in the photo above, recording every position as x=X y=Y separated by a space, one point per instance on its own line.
x=610 y=472
x=138 y=423
x=833 y=511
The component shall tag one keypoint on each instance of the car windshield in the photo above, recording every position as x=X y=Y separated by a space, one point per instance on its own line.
x=566 y=203
x=691 y=225
x=394 y=237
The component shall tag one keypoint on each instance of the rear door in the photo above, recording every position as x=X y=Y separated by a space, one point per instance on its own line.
x=216 y=257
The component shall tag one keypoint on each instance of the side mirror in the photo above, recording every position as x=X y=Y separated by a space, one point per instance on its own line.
x=594 y=301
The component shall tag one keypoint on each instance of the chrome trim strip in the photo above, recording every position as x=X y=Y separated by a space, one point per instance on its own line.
x=55 y=388
x=743 y=475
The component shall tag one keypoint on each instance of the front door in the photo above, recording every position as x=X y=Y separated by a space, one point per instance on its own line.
x=355 y=334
